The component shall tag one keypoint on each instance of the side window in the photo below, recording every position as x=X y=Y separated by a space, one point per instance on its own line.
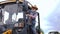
x=36 y=22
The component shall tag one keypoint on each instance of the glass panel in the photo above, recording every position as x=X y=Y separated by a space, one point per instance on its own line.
x=16 y=17
x=12 y=17
x=6 y=16
x=11 y=9
x=36 y=22
x=20 y=15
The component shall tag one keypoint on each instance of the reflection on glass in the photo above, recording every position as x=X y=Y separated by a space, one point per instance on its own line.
x=6 y=16
x=20 y=15
x=36 y=22
x=14 y=18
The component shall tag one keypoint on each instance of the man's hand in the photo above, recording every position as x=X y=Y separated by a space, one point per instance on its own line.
x=27 y=14
x=30 y=15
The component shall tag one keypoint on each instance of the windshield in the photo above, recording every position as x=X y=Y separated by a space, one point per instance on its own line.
x=10 y=12
x=14 y=17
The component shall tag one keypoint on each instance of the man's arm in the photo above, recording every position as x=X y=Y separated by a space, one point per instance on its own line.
x=33 y=16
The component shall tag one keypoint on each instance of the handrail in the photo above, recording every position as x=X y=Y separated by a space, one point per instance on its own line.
x=39 y=22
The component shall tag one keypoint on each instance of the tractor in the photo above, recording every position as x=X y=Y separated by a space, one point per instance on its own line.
x=13 y=17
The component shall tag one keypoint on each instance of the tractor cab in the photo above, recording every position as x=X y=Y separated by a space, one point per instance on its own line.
x=14 y=17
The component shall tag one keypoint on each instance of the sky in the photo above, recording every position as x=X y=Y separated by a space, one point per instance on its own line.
x=49 y=14
x=48 y=10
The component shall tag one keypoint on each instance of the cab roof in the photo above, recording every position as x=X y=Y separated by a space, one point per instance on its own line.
x=8 y=1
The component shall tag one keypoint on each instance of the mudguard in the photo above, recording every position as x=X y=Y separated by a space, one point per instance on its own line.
x=9 y=31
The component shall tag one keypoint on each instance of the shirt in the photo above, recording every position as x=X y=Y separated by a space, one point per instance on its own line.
x=34 y=13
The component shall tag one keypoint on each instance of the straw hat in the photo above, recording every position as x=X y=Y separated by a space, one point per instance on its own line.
x=34 y=7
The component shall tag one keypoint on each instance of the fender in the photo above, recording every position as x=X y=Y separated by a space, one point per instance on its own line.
x=9 y=31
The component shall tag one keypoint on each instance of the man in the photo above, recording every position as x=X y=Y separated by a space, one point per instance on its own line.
x=32 y=15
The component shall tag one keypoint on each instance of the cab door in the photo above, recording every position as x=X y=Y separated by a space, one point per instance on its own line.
x=37 y=25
